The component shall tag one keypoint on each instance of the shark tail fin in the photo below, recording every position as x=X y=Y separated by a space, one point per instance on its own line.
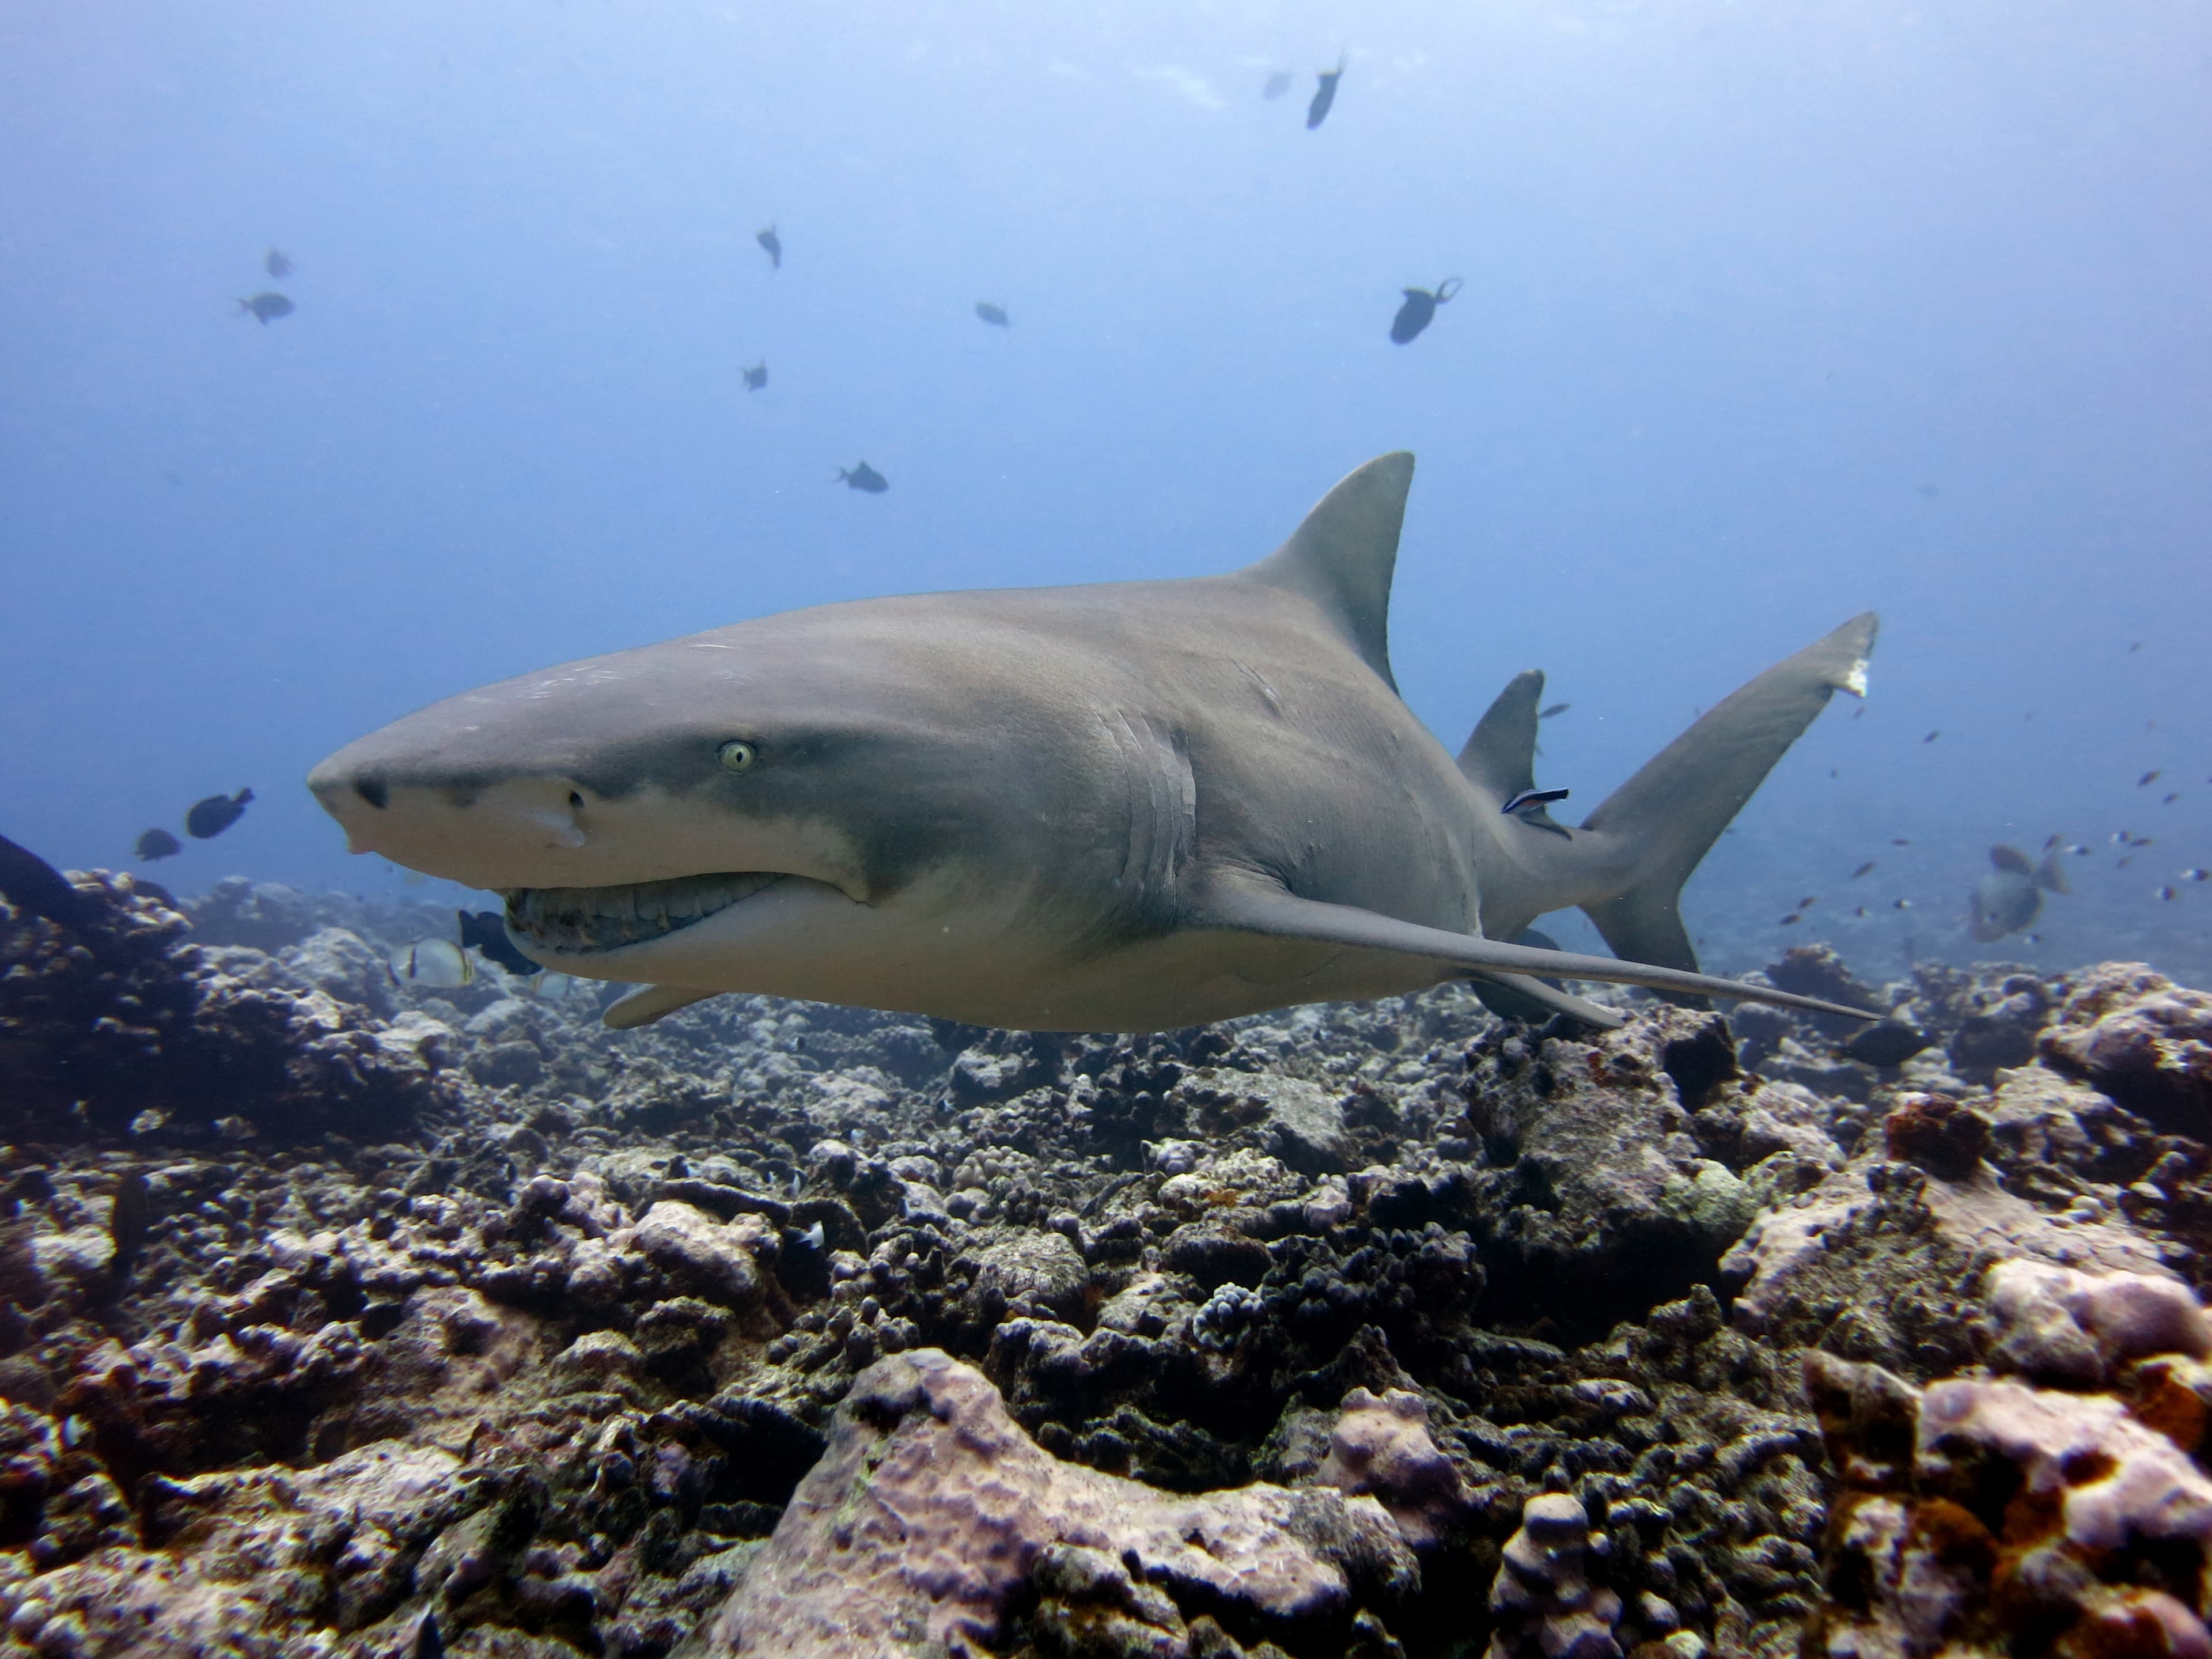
x=1667 y=817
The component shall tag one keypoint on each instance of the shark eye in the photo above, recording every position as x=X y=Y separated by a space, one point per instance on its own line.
x=736 y=756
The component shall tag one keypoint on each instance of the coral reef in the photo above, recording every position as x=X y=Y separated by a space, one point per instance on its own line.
x=348 y=1317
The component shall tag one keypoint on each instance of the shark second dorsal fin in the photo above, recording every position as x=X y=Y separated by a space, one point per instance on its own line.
x=1500 y=757
x=1343 y=556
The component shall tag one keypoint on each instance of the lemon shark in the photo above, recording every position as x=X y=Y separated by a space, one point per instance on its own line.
x=1119 y=807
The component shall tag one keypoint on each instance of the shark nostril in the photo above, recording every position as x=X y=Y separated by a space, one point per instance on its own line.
x=373 y=791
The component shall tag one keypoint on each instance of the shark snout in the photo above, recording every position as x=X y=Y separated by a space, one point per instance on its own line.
x=509 y=831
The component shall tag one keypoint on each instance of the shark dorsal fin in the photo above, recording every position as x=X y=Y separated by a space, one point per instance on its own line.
x=1342 y=556
x=1500 y=757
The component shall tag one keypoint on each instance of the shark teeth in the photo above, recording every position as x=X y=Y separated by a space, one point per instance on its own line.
x=607 y=918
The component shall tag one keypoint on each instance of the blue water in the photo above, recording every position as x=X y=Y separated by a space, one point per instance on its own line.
x=1772 y=314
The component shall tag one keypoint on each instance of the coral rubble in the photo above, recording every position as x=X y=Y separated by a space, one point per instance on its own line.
x=350 y=1318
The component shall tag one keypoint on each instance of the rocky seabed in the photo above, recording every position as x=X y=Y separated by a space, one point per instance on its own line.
x=343 y=1318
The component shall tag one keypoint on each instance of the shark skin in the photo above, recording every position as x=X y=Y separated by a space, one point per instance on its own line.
x=1121 y=807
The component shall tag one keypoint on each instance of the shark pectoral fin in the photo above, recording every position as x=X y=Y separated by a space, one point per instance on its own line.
x=648 y=1003
x=1255 y=905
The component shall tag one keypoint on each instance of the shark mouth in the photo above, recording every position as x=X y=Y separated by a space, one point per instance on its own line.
x=585 y=918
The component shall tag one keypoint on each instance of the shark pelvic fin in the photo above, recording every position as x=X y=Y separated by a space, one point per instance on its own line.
x=648 y=1003
x=1671 y=813
x=1260 y=907
x=1342 y=557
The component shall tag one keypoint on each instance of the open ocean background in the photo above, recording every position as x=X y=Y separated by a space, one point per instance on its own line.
x=1772 y=314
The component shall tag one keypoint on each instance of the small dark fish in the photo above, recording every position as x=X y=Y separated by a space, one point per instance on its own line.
x=2195 y=874
x=1791 y=920
x=486 y=931
x=2010 y=896
x=264 y=307
x=769 y=240
x=275 y=263
x=1931 y=736
x=1807 y=903
x=1900 y=904
x=994 y=315
x=1885 y=1043
x=2136 y=647
x=863 y=477
x=1861 y=911
x=1898 y=840
x=2171 y=799
x=1419 y=309
x=1324 y=96
x=127 y=1221
x=210 y=817
x=757 y=376
x=2139 y=840
x=158 y=844
x=1278 y=84
x=2166 y=892
x=429 y=1641
x=1863 y=870
x=2148 y=778
x=29 y=883
x=1529 y=797
x=1554 y=712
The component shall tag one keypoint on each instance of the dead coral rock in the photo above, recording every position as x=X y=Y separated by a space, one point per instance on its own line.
x=1997 y=1026
x=100 y=1023
x=1597 y=1200
x=2135 y=1036
x=1299 y=1122
x=1937 y=1133
x=2063 y=1327
x=931 y=1513
x=1381 y=1446
x=1986 y=1515
x=1884 y=1261
x=714 y=1259
x=1543 y=1599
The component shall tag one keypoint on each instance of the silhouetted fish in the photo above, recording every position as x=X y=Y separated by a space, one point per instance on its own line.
x=127 y=1220
x=277 y=265
x=2010 y=896
x=769 y=240
x=994 y=315
x=863 y=477
x=1324 y=96
x=1886 y=1043
x=158 y=844
x=1419 y=309
x=2148 y=778
x=1278 y=84
x=757 y=376
x=210 y=817
x=1555 y=710
x=29 y=883
x=265 y=307
x=486 y=931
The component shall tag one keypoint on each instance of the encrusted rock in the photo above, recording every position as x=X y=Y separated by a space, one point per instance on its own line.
x=931 y=1512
